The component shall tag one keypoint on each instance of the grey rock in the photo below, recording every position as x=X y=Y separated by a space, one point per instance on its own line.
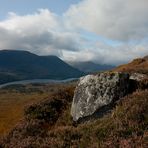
x=95 y=91
x=138 y=77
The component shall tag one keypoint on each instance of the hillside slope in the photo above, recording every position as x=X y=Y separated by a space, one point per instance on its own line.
x=20 y=65
x=138 y=65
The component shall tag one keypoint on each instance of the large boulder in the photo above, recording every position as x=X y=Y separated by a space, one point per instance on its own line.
x=96 y=91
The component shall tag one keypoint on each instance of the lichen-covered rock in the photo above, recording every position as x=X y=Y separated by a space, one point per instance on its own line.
x=138 y=77
x=95 y=91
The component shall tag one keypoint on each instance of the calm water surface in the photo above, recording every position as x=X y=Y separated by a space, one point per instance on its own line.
x=44 y=81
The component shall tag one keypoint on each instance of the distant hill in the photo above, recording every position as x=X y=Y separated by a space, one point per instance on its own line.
x=89 y=66
x=21 y=65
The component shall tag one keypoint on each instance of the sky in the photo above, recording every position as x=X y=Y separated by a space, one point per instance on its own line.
x=23 y=7
x=103 y=31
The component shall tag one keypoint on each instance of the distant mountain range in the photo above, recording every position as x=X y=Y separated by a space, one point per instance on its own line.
x=89 y=66
x=21 y=65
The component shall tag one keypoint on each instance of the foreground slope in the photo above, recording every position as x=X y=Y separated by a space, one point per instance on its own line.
x=20 y=65
x=49 y=124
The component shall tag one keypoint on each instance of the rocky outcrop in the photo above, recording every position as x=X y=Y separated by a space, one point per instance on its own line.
x=138 y=81
x=95 y=91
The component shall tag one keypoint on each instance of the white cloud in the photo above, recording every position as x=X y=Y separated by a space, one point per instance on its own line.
x=107 y=54
x=119 y=54
x=115 y=19
x=42 y=32
x=40 y=21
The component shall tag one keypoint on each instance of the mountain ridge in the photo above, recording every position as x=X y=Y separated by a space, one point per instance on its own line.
x=22 y=65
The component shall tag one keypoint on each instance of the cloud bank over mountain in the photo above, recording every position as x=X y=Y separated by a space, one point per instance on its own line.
x=119 y=31
x=40 y=32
